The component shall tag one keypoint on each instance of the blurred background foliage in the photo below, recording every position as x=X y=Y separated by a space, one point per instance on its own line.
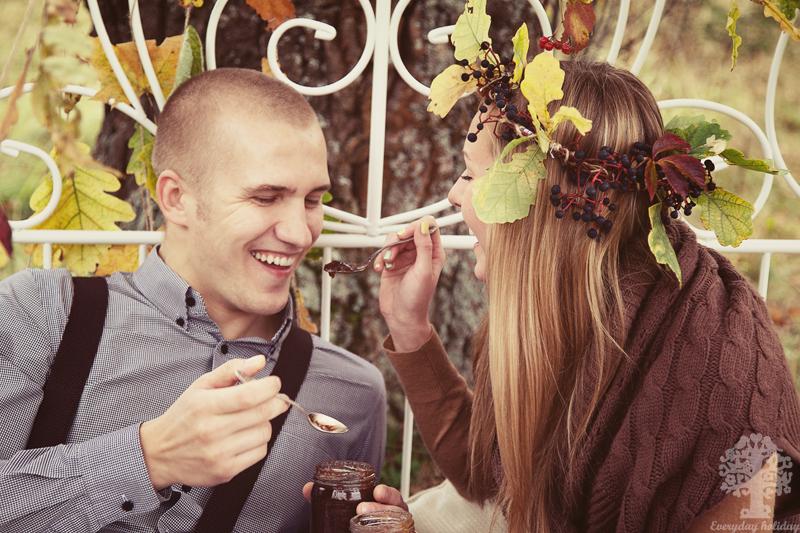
x=690 y=59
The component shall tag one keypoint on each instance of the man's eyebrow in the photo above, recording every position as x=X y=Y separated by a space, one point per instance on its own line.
x=265 y=188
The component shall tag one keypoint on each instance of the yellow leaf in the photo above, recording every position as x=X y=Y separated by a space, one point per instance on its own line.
x=303 y=316
x=164 y=58
x=541 y=85
x=521 y=42
x=571 y=114
x=120 y=258
x=447 y=88
x=274 y=12
x=471 y=29
x=141 y=164
x=774 y=11
x=3 y=257
x=84 y=205
x=730 y=26
x=265 y=69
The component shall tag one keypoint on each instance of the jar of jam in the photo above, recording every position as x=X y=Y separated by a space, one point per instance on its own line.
x=383 y=522
x=339 y=486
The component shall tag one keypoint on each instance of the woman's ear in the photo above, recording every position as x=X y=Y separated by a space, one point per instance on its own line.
x=173 y=199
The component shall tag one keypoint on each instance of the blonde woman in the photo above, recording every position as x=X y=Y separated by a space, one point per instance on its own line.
x=606 y=393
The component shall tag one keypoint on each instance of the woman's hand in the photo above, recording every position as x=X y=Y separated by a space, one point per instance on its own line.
x=386 y=498
x=409 y=274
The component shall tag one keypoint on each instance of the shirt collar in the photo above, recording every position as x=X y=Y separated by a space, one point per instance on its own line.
x=179 y=302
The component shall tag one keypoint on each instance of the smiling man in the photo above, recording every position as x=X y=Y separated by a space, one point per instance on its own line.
x=161 y=439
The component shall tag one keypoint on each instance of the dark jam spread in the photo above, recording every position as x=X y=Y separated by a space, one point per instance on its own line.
x=383 y=522
x=339 y=486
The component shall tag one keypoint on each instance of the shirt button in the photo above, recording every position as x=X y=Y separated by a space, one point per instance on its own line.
x=190 y=301
x=127 y=505
x=223 y=348
x=180 y=321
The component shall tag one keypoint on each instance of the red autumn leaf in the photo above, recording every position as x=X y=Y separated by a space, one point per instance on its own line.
x=275 y=12
x=669 y=142
x=676 y=180
x=5 y=233
x=651 y=178
x=578 y=24
x=690 y=167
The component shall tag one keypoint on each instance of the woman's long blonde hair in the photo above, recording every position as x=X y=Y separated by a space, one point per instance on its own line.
x=553 y=332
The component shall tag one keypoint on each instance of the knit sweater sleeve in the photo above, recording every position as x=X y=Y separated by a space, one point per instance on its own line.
x=442 y=405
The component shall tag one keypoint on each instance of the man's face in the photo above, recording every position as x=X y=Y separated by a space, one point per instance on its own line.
x=260 y=210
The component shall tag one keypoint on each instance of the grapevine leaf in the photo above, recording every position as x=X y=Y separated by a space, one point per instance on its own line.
x=120 y=258
x=274 y=12
x=541 y=85
x=471 y=29
x=164 y=58
x=773 y=9
x=579 y=22
x=190 y=58
x=689 y=167
x=447 y=88
x=676 y=180
x=521 y=43
x=730 y=26
x=737 y=158
x=670 y=142
x=571 y=114
x=698 y=132
x=5 y=235
x=505 y=193
x=660 y=244
x=140 y=164
x=85 y=204
x=651 y=178
x=730 y=217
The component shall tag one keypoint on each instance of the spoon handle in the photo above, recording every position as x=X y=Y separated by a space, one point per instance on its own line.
x=288 y=400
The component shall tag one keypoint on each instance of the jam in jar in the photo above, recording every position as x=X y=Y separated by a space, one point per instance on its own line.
x=339 y=486
x=383 y=522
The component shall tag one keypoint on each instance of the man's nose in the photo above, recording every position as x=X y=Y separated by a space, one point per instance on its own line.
x=294 y=228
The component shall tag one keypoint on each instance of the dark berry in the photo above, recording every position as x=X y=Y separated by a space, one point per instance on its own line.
x=592 y=233
x=604 y=186
x=639 y=158
x=483 y=109
x=603 y=155
x=479 y=126
x=484 y=45
x=591 y=192
x=501 y=104
x=674 y=214
x=612 y=207
x=606 y=201
x=576 y=216
x=511 y=108
x=709 y=165
x=555 y=200
x=465 y=77
x=711 y=186
x=559 y=213
x=463 y=62
x=487 y=101
x=471 y=137
x=580 y=154
x=477 y=74
x=586 y=217
x=485 y=63
x=555 y=189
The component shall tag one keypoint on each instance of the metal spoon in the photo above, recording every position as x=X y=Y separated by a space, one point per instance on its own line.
x=341 y=267
x=320 y=422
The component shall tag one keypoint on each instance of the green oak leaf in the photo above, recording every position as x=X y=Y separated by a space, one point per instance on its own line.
x=140 y=164
x=730 y=26
x=696 y=130
x=737 y=158
x=507 y=191
x=521 y=43
x=190 y=59
x=472 y=28
x=660 y=244
x=727 y=215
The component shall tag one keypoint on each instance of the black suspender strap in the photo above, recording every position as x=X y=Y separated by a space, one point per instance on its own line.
x=72 y=364
x=222 y=510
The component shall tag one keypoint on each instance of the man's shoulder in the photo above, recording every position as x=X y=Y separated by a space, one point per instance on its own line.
x=334 y=361
x=36 y=286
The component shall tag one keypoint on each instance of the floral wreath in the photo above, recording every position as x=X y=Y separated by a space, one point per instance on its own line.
x=675 y=170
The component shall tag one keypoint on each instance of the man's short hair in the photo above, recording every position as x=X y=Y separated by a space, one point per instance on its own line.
x=192 y=126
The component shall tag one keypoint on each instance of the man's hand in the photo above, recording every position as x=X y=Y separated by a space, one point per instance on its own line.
x=214 y=430
x=386 y=498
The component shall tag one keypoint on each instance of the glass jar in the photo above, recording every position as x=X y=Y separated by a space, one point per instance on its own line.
x=383 y=522
x=339 y=486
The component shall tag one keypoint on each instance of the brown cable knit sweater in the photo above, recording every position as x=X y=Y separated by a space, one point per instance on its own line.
x=706 y=368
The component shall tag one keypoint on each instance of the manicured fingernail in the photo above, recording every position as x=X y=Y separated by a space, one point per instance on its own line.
x=387 y=255
x=376 y=266
x=388 y=266
x=425 y=227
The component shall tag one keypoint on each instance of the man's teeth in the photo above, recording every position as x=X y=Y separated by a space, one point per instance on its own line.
x=274 y=259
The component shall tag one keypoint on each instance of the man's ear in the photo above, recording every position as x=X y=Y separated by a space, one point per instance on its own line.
x=173 y=198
